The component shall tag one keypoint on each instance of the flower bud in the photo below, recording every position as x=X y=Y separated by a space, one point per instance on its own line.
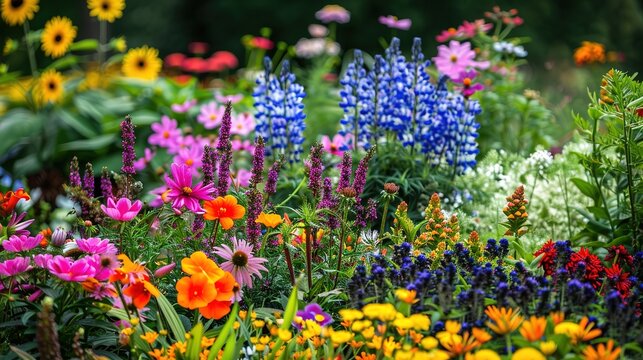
x=164 y=270
x=58 y=237
x=391 y=188
x=348 y=192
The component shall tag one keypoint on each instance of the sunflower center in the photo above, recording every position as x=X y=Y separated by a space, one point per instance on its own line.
x=58 y=38
x=187 y=190
x=454 y=58
x=105 y=5
x=16 y=4
x=52 y=85
x=240 y=259
x=141 y=63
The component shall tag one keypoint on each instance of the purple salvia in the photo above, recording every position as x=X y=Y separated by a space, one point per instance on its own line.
x=106 y=184
x=197 y=226
x=371 y=210
x=88 y=180
x=273 y=176
x=74 y=173
x=345 y=170
x=253 y=229
x=360 y=216
x=128 y=139
x=360 y=174
x=329 y=201
x=257 y=163
x=209 y=161
x=224 y=151
x=316 y=167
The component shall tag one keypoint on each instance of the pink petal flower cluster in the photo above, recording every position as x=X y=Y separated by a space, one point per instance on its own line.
x=123 y=209
x=184 y=107
x=335 y=146
x=15 y=266
x=211 y=115
x=467 y=86
x=68 y=269
x=240 y=261
x=20 y=243
x=465 y=31
x=96 y=246
x=183 y=194
x=456 y=58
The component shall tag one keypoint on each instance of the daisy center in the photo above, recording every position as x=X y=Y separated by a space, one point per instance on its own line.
x=141 y=63
x=187 y=190
x=58 y=38
x=213 y=117
x=166 y=134
x=16 y=4
x=466 y=82
x=105 y=5
x=454 y=58
x=51 y=85
x=189 y=162
x=240 y=259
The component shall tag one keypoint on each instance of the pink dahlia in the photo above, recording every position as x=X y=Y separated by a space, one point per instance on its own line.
x=211 y=115
x=15 y=266
x=241 y=262
x=183 y=193
x=20 y=243
x=123 y=209
x=69 y=270
x=96 y=246
x=456 y=58
x=165 y=133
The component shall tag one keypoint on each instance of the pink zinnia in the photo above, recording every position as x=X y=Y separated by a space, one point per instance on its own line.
x=333 y=13
x=96 y=246
x=15 y=266
x=394 y=23
x=165 y=133
x=190 y=157
x=142 y=163
x=456 y=58
x=241 y=262
x=20 y=243
x=123 y=209
x=242 y=124
x=211 y=115
x=183 y=194
x=334 y=147
x=184 y=107
x=69 y=270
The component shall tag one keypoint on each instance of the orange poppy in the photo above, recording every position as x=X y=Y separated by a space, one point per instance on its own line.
x=130 y=270
x=141 y=291
x=195 y=291
x=225 y=209
x=215 y=309
x=199 y=263
x=225 y=287
x=10 y=199
x=503 y=320
x=269 y=220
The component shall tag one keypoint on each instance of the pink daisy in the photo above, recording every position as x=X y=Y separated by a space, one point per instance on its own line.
x=242 y=145
x=182 y=142
x=21 y=243
x=183 y=194
x=69 y=270
x=123 y=210
x=160 y=196
x=185 y=107
x=190 y=157
x=15 y=266
x=241 y=262
x=142 y=163
x=242 y=178
x=242 y=124
x=211 y=115
x=231 y=98
x=165 y=132
x=335 y=146
x=456 y=58
x=96 y=246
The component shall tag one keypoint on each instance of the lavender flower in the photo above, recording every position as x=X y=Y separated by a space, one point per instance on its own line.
x=253 y=229
x=88 y=180
x=106 y=184
x=224 y=151
x=345 y=171
x=329 y=201
x=74 y=173
x=316 y=169
x=273 y=176
x=360 y=174
x=128 y=139
x=257 y=163
x=209 y=162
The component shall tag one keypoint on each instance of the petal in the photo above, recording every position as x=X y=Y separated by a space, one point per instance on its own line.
x=226 y=223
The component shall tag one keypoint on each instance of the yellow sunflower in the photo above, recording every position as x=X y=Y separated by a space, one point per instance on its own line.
x=142 y=63
x=51 y=86
x=106 y=10
x=57 y=36
x=16 y=12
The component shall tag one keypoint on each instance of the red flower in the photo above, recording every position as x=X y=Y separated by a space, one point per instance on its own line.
x=548 y=261
x=222 y=60
x=174 y=60
x=619 y=253
x=198 y=47
x=261 y=43
x=9 y=201
x=593 y=266
x=619 y=280
x=195 y=65
x=639 y=112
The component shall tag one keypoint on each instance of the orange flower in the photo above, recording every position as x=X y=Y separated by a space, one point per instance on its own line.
x=215 y=309
x=150 y=337
x=534 y=328
x=589 y=53
x=130 y=271
x=269 y=220
x=458 y=345
x=198 y=263
x=195 y=291
x=225 y=209
x=504 y=320
x=225 y=287
x=557 y=317
x=141 y=291
x=602 y=352
x=481 y=335
x=586 y=332
x=9 y=200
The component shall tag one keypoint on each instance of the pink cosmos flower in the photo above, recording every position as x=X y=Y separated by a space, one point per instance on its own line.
x=96 y=246
x=242 y=178
x=41 y=260
x=468 y=88
x=222 y=99
x=334 y=147
x=165 y=133
x=190 y=157
x=242 y=145
x=15 y=266
x=104 y=265
x=242 y=124
x=182 y=142
x=142 y=163
x=211 y=115
x=20 y=243
x=456 y=58
x=123 y=209
x=183 y=194
x=102 y=290
x=185 y=107
x=470 y=30
x=160 y=196
x=241 y=262
x=70 y=270
x=16 y=227
x=318 y=31
x=394 y=23
x=333 y=13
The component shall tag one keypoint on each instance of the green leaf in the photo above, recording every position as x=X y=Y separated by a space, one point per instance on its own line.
x=84 y=45
x=64 y=62
x=225 y=331
x=586 y=188
x=230 y=347
x=21 y=124
x=76 y=123
x=89 y=144
x=172 y=318
x=21 y=354
x=194 y=344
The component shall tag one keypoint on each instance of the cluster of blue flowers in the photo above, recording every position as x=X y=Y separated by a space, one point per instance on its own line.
x=397 y=97
x=279 y=111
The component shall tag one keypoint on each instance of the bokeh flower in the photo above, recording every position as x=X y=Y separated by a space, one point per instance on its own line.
x=211 y=115
x=165 y=133
x=589 y=53
x=335 y=146
x=106 y=10
x=184 y=107
x=456 y=58
x=394 y=23
x=50 y=86
x=57 y=36
x=333 y=13
x=142 y=63
x=240 y=261
x=242 y=124
x=17 y=12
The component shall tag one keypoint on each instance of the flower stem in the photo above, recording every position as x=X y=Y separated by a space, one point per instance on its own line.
x=384 y=215
x=291 y=271
x=508 y=343
x=101 y=43
x=30 y=51
x=309 y=256
x=301 y=183
x=213 y=233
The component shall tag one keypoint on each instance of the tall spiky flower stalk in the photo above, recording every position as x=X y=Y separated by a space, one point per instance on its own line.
x=74 y=173
x=209 y=163
x=224 y=151
x=345 y=171
x=315 y=170
x=253 y=229
x=360 y=174
x=47 y=333
x=128 y=140
x=106 y=184
x=88 y=180
x=273 y=175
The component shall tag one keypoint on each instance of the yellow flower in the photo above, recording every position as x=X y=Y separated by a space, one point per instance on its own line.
x=16 y=12
x=602 y=352
x=119 y=44
x=429 y=342
x=528 y=353
x=578 y=332
x=134 y=321
x=150 y=337
x=383 y=312
x=390 y=345
x=420 y=322
x=106 y=10
x=534 y=328
x=403 y=323
x=481 y=335
x=458 y=345
x=51 y=86
x=340 y=337
x=548 y=347
x=9 y=46
x=142 y=63
x=407 y=296
x=163 y=332
x=451 y=327
x=269 y=220
x=351 y=314
x=57 y=36
x=258 y=324
x=504 y=320
x=484 y=354
x=285 y=334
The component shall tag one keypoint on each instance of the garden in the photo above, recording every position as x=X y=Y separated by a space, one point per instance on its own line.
x=339 y=183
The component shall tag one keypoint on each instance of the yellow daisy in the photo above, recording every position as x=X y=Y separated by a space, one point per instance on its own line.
x=106 y=10
x=51 y=86
x=142 y=63
x=16 y=12
x=57 y=36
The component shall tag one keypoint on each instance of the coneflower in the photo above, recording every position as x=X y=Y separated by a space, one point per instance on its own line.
x=224 y=151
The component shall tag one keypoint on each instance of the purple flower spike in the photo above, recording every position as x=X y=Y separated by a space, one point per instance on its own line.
x=128 y=140
x=224 y=152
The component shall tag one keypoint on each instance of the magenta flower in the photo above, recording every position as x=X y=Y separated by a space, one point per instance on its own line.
x=190 y=157
x=160 y=196
x=123 y=209
x=103 y=265
x=333 y=13
x=164 y=270
x=96 y=246
x=241 y=262
x=41 y=260
x=211 y=115
x=18 y=243
x=69 y=270
x=242 y=178
x=142 y=163
x=456 y=58
x=449 y=34
x=15 y=227
x=468 y=87
x=470 y=30
x=185 y=107
x=183 y=194
x=242 y=124
x=182 y=142
x=312 y=312
x=165 y=133
x=334 y=147
x=394 y=23
x=15 y=266
x=223 y=99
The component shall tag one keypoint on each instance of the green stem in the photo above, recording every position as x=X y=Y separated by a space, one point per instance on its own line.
x=508 y=344
x=301 y=183
x=630 y=177
x=309 y=257
x=102 y=29
x=384 y=215
x=291 y=270
x=30 y=51
x=214 y=232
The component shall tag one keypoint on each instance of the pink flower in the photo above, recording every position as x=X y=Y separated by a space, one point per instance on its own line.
x=96 y=246
x=242 y=178
x=211 y=115
x=182 y=142
x=241 y=262
x=15 y=227
x=165 y=133
x=470 y=30
x=333 y=13
x=394 y=23
x=468 y=88
x=183 y=108
x=195 y=65
x=41 y=260
x=69 y=270
x=15 y=266
x=242 y=145
x=222 y=60
x=160 y=196
x=190 y=157
x=263 y=43
x=183 y=194
x=142 y=163
x=334 y=147
x=174 y=60
x=231 y=98
x=20 y=243
x=123 y=210
x=242 y=124
x=164 y=270
x=456 y=58
x=448 y=34
x=103 y=264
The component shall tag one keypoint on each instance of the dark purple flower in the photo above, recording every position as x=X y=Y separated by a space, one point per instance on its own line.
x=253 y=229
x=74 y=173
x=360 y=174
x=106 y=184
x=88 y=180
x=312 y=312
x=315 y=170
x=345 y=171
x=224 y=152
x=128 y=140
x=329 y=201
x=273 y=176
x=209 y=162
x=257 y=163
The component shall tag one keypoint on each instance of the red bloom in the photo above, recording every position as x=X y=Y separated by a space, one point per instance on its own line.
x=195 y=65
x=198 y=48
x=619 y=280
x=639 y=112
x=9 y=201
x=261 y=43
x=174 y=60
x=619 y=253
x=593 y=266
x=222 y=60
x=548 y=261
